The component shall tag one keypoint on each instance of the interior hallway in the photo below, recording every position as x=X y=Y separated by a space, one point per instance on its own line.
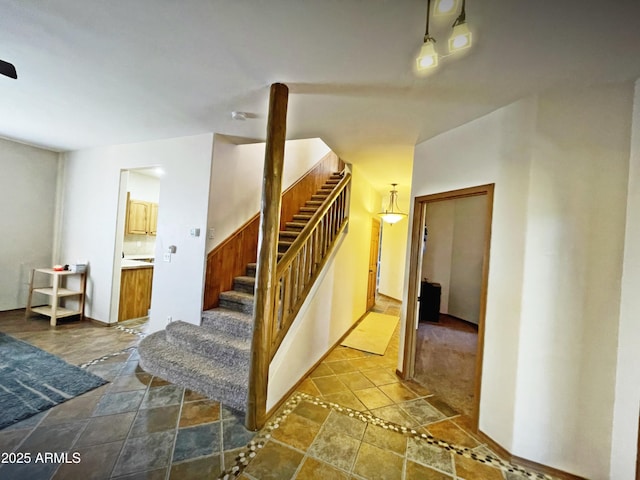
x=140 y=426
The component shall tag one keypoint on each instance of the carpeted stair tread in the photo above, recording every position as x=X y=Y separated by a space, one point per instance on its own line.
x=251 y=269
x=220 y=382
x=231 y=321
x=216 y=345
x=283 y=245
x=235 y=300
x=295 y=225
x=244 y=284
x=242 y=297
x=289 y=234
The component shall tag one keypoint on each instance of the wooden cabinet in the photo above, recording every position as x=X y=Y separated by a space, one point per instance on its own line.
x=135 y=292
x=142 y=217
x=58 y=294
x=153 y=219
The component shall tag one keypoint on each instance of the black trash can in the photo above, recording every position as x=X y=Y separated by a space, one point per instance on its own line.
x=429 y=302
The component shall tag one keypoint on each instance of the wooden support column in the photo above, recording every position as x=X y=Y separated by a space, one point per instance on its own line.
x=264 y=305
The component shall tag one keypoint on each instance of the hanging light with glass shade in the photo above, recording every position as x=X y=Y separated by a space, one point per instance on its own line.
x=445 y=7
x=460 y=36
x=428 y=57
x=392 y=214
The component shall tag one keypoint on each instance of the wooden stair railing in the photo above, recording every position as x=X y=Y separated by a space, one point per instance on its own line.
x=298 y=269
x=229 y=259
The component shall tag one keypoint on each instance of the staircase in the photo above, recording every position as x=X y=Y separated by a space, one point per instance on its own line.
x=213 y=358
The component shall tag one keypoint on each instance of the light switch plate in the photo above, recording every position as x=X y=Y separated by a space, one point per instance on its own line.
x=166 y=257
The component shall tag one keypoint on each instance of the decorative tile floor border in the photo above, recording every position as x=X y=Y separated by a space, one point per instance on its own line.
x=243 y=459
x=133 y=331
x=106 y=357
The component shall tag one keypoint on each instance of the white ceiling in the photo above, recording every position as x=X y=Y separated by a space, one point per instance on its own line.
x=96 y=72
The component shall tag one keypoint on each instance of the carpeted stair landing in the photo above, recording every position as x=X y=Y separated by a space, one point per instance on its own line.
x=213 y=358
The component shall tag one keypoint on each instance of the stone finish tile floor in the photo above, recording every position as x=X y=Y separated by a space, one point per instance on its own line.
x=351 y=418
x=137 y=426
x=354 y=418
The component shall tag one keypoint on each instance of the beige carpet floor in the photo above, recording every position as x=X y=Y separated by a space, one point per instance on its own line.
x=373 y=333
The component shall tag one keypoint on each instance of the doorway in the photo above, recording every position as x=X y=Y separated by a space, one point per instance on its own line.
x=134 y=256
x=418 y=234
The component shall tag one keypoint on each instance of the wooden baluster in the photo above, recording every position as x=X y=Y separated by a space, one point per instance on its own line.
x=316 y=246
x=288 y=292
x=309 y=262
x=295 y=265
x=303 y=268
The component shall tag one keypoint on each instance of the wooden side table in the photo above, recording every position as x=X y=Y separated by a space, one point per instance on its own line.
x=57 y=292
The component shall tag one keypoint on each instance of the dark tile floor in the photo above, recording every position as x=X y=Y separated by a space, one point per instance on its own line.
x=351 y=418
x=137 y=426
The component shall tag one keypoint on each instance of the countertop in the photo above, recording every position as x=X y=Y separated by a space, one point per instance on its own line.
x=139 y=257
x=129 y=264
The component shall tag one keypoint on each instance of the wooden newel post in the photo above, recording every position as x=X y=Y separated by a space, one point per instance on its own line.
x=267 y=256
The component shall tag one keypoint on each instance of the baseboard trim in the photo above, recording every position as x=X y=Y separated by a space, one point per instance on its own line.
x=389 y=297
x=290 y=392
x=99 y=322
x=538 y=467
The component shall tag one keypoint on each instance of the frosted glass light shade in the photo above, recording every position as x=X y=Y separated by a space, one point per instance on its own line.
x=445 y=7
x=428 y=57
x=392 y=217
x=460 y=37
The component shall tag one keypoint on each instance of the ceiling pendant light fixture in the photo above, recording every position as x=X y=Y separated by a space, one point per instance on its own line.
x=428 y=57
x=460 y=36
x=392 y=214
x=444 y=7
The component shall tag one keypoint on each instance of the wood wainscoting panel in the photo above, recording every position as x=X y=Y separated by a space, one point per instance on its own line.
x=297 y=194
x=229 y=260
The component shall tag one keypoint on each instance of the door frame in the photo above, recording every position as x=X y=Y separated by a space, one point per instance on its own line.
x=374 y=221
x=411 y=325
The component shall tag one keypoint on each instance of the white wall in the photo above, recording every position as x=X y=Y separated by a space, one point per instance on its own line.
x=392 y=250
x=467 y=257
x=560 y=167
x=627 y=393
x=236 y=180
x=28 y=198
x=91 y=210
x=492 y=149
x=337 y=300
x=143 y=187
x=571 y=289
x=437 y=253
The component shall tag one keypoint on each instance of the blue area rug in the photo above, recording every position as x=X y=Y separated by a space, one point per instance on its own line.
x=32 y=380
